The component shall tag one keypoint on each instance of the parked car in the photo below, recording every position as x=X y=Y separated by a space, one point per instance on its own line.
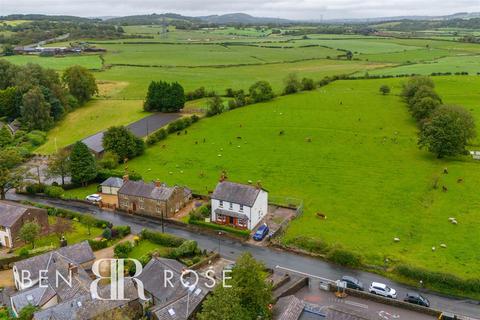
x=261 y=232
x=94 y=198
x=353 y=283
x=416 y=298
x=382 y=290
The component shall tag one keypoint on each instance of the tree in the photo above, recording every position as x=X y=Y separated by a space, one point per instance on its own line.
x=62 y=227
x=349 y=55
x=11 y=173
x=123 y=143
x=10 y=102
x=80 y=82
x=261 y=91
x=424 y=92
x=308 y=84
x=29 y=232
x=82 y=164
x=6 y=137
x=215 y=106
x=109 y=160
x=89 y=222
x=292 y=85
x=249 y=277
x=413 y=84
x=384 y=89
x=59 y=165
x=35 y=111
x=165 y=97
x=423 y=108
x=8 y=50
x=223 y=303
x=27 y=312
x=447 y=132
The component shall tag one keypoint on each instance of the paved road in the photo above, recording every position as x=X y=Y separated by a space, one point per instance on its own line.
x=231 y=249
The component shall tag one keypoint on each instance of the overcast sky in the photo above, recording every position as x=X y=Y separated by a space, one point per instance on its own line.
x=292 y=9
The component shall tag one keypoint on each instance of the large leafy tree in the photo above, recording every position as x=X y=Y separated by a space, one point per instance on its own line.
x=36 y=110
x=6 y=137
x=59 y=165
x=448 y=131
x=123 y=143
x=11 y=173
x=10 y=102
x=80 y=82
x=82 y=164
x=165 y=97
x=223 y=303
x=261 y=91
x=413 y=84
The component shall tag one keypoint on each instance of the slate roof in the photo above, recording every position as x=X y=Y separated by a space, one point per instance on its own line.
x=146 y=190
x=78 y=253
x=86 y=307
x=113 y=182
x=288 y=308
x=343 y=313
x=10 y=212
x=178 y=309
x=95 y=142
x=236 y=193
x=38 y=296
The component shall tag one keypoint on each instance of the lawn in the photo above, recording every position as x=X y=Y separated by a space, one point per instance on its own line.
x=362 y=169
x=95 y=116
x=60 y=62
x=144 y=247
x=81 y=193
x=79 y=233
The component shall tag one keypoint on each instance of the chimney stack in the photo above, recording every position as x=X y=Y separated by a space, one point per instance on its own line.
x=125 y=178
x=72 y=268
x=158 y=183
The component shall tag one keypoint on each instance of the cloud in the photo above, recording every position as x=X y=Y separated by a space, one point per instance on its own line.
x=293 y=9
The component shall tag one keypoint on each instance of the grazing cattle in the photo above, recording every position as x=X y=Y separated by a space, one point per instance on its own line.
x=445 y=171
x=239 y=138
x=444 y=189
x=459 y=180
x=282 y=133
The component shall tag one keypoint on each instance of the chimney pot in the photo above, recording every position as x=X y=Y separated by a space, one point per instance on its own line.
x=125 y=178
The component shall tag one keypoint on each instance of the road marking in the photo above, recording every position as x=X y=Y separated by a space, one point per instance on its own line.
x=356 y=304
x=305 y=274
x=388 y=316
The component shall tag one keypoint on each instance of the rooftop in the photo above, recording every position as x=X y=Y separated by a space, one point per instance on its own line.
x=10 y=212
x=236 y=193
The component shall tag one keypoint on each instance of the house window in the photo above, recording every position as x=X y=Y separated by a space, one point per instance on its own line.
x=221 y=203
x=158 y=209
x=241 y=208
x=141 y=205
x=242 y=223
x=230 y=206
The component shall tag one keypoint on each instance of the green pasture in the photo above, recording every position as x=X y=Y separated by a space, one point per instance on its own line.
x=219 y=79
x=96 y=116
x=58 y=63
x=408 y=56
x=362 y=168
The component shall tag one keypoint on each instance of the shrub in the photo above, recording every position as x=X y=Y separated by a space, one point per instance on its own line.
x=104 y=174
x=107 y=233
x=98 y=244
x=261 y=91
x=308 y=84
x=109 y=160
x=54 y=192
x=237 y=232
x=121 y=231
x=122 y=250
x=156 y=136
x=162 y=239
x=35 y=188
x=344 y=258
x=310 y=244
x=186 y=249
x=23 y=252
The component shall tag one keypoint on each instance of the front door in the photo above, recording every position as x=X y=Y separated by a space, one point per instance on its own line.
x=134 y=207
x=231 y=221
x=7 y=242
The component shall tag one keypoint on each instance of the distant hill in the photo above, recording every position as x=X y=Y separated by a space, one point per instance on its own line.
x=153 y=19
x=241 y=18
x=44 y=17
x=458 y=15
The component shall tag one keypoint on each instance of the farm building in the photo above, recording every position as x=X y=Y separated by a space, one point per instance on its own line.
x=13 y=216
x=152 y=199
x=238 y=205
x=111 y=185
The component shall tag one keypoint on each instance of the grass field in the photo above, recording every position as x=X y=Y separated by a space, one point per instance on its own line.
x=59 y=63
x=362 y=169
x=97 y=115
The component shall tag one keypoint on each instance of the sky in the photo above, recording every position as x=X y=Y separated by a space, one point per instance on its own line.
x=290 y=9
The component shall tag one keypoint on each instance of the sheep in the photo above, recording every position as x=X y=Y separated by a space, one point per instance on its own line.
x=396 y=239
x=443 y=245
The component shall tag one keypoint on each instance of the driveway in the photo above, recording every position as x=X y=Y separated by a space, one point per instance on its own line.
x=231 y=249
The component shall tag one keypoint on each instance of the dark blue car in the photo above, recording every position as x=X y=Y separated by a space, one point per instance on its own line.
x=261 y=233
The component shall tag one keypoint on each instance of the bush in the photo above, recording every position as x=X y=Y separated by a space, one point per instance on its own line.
x=162 y=239
x=122 y=250
x=214 y=226
x=36 y=138
x=54 y=192
x=35 y=188
x=98 y=244
x=344 y=258
x=121 y=231
x=439 y=279
x=196 y=94
x=23 y=252
x=104 y=174
x=308 y=84
x=109 y=160
x=156 y=136
x=261 y=91
x=186 y=249
x=107 y=233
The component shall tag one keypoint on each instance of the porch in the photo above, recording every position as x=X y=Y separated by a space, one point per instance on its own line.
x=231 y=218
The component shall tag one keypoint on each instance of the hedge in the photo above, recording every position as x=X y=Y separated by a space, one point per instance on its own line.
x=439 y=279
x=163 y=239
x=104 y=174
x=120 y=231
x=98 y=244
x=345 y=258
x=214 y=226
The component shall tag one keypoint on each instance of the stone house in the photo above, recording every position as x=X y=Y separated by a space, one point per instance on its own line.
x=13 y=216
x=152 y=199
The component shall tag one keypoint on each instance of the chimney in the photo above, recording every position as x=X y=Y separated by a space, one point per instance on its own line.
x=223 y=176
x=125 y=178
x=72 y=268
x=259 y=185
x=158 y=183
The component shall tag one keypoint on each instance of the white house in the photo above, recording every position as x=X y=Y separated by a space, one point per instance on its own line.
x=238 y=205
x=111 y=185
